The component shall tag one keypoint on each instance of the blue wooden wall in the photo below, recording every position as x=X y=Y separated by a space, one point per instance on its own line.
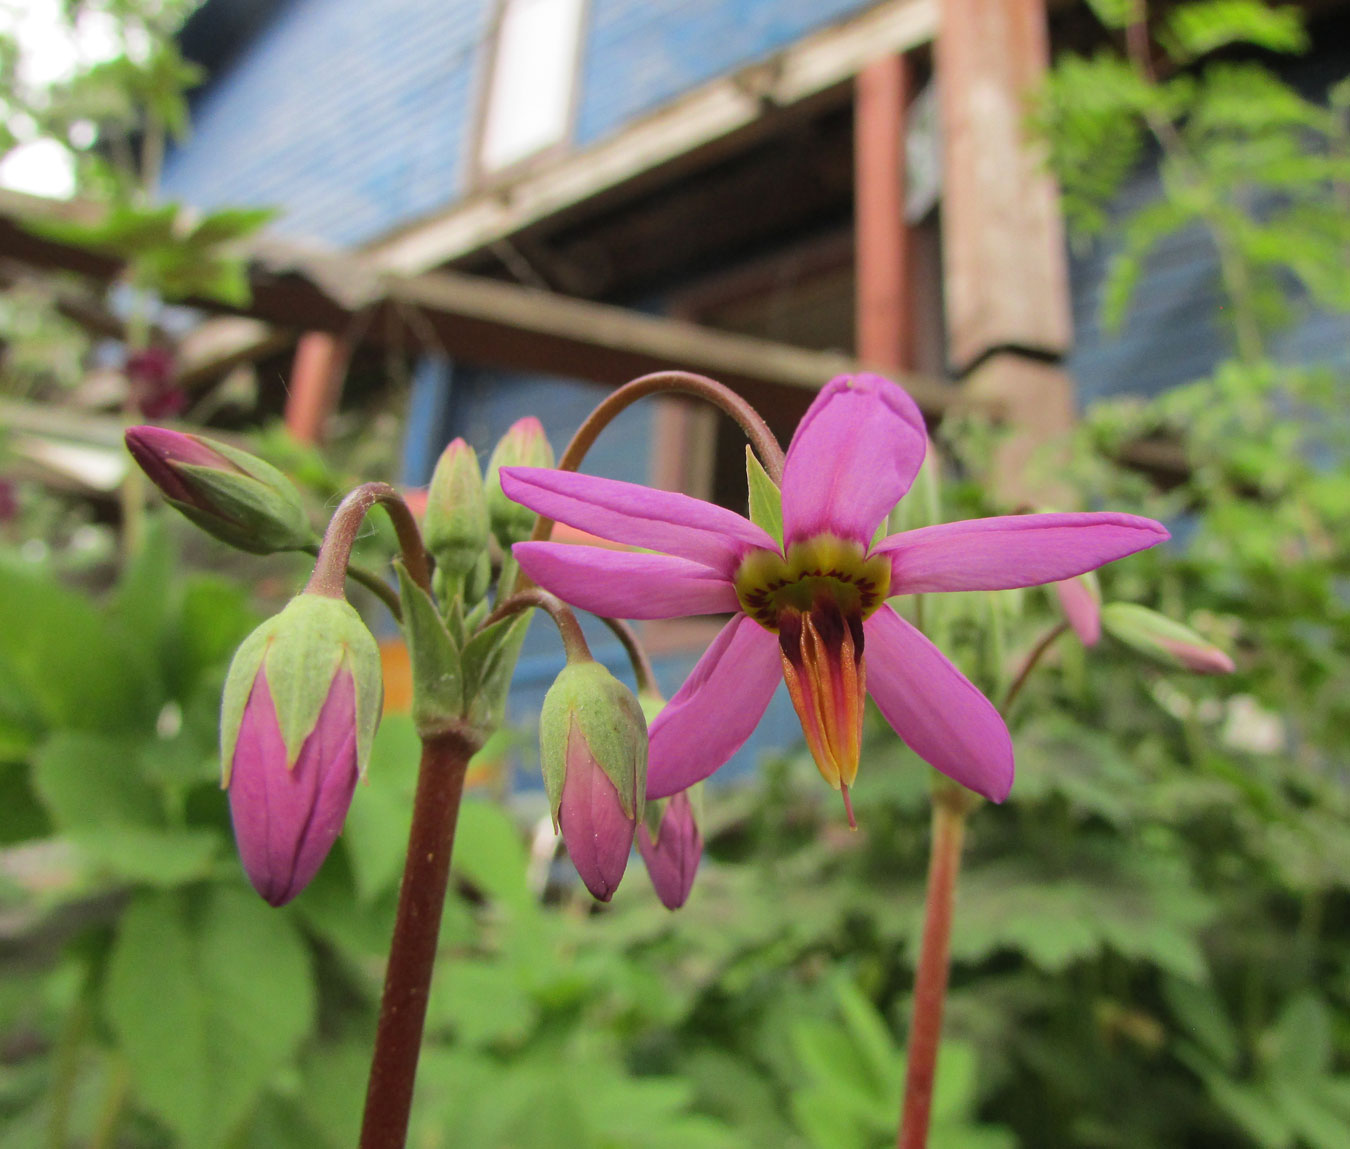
x=355 y=116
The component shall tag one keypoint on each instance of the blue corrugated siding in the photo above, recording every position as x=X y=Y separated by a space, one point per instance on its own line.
x=643 y=53
x=350 y=116
x=353 y=117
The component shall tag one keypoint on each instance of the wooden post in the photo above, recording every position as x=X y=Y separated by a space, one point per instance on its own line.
x=884 y=301
x=317 y=373
x=1005 y=268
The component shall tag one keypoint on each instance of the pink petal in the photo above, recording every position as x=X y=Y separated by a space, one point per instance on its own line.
x=716 y=710
x=638 y=516
x=935 y=708
x=1013 y=550
x=597 y=832
x=624 y=584
x=854 y=454
x=286 y=821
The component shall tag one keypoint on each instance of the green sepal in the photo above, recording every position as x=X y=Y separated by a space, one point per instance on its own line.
x=437 y=680
x=766 y=500
x=489 y=662
x=610 y=721
x=301 y=650
x=259 y=511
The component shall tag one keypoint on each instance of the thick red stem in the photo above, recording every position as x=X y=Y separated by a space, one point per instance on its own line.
x=412 y=953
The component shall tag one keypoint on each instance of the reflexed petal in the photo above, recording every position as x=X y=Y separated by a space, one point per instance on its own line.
x=1013 y=550
x=854 y=454
x=637 y=516
x=623 y=584
x=716 y=710
x=935 y=708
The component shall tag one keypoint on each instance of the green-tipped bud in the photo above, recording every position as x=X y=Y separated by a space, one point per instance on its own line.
x=456 y=525
x=1161 y=638
x=593 y=749
x=302 y=701
x=229 y=493
x=524 y=445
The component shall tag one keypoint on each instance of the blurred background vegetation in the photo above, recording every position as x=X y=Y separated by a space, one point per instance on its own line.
x=1152 y=944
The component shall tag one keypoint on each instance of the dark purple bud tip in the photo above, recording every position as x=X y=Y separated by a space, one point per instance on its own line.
x=597 y=831
x=672 y=858
x=287 y=817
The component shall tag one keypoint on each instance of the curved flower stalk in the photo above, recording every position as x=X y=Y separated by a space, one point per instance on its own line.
x=811 y=609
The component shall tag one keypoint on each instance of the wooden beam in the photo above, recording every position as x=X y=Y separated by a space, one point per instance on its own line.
x=486 y=322
x=707 y=116
x=882 y=260
x=1004 y=258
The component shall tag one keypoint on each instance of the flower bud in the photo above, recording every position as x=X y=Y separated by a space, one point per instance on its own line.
x=524 y=445
x=230 y=494
x=672 y=856
x=456 y=524
x=593 y=750
x=302 y=701
x=1080 y=599
x=1159 y=637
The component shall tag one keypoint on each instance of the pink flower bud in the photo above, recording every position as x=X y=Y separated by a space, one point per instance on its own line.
x=230 y=494
x=523 y=445
x=596 y=828
x=1163 y=639
x=298 y=717
x=672 y=857
x=286 y=818
x=1081 y=602
x=593 y=752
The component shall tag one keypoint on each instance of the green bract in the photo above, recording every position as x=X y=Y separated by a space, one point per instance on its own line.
x=301 y=650
x=610 y=721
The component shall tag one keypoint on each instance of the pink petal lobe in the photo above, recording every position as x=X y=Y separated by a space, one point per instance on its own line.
x=940 y=715
x=716 y=710
x=597 y=832
x=625 y=584
x=1013 y=550
x=638 y=516
x=286 y=820
x=672 y=857
x=853 y=456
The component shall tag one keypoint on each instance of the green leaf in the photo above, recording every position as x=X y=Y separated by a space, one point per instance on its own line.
x=489 y=662
x=67 y=665
x=207 y=1007
x=490 y=854
x=91 y=781
x=1201 y=1015
x=766 y=500
x=1195 y=29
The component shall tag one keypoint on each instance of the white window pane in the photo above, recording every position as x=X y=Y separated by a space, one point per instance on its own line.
x=529 y=101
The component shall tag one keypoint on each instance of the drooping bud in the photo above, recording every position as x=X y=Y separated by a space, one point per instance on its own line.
x=455 y=528
x=300 y=709
x=230 y=494
x=1161 y=638
x=524 y=445
x=1080 y=599
x=593 y=750
x=673 y=855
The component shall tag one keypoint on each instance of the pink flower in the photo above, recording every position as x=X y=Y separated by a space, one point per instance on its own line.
x=813 y=611
x=287 y=817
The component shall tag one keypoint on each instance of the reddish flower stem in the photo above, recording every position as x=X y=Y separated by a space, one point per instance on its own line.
x=412 y=953
x=766 y=445
x=574 y=642
x=950 y=805
x=335 y=552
